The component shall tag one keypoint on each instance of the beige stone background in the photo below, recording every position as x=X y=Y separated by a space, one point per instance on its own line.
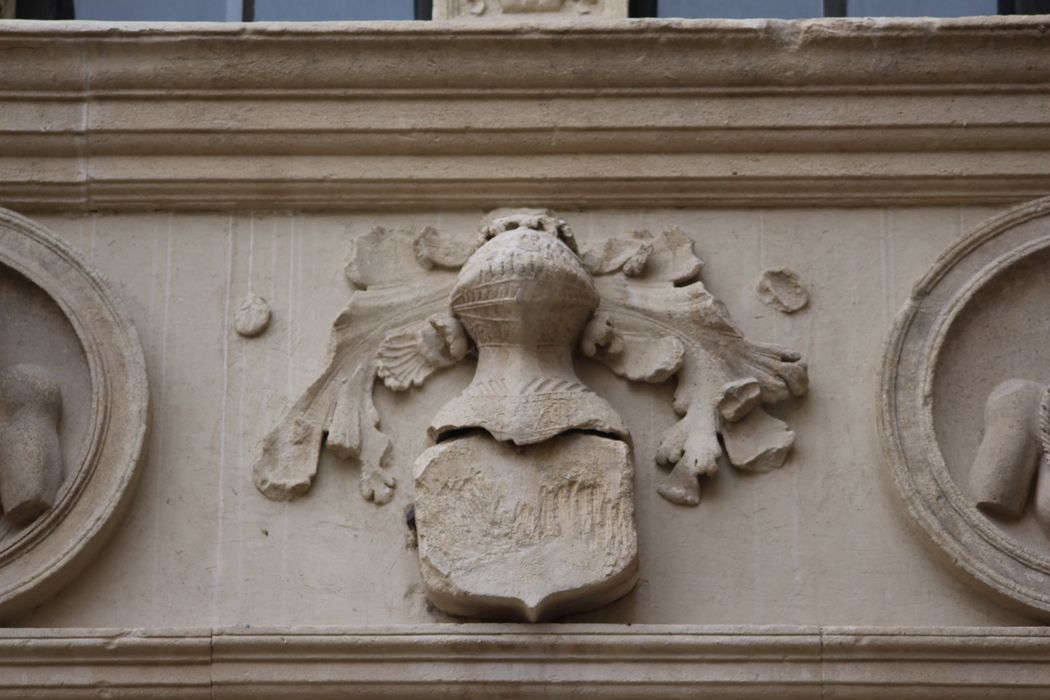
x=821 y=541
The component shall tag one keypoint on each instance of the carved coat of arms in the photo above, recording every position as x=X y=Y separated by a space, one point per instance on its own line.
x=524 y=503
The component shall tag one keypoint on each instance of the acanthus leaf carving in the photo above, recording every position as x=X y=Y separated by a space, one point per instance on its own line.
x=402 y=348
x=636 y=356
x=435 y=250
x=30 y=454
x=530 y=464
x=662 y=299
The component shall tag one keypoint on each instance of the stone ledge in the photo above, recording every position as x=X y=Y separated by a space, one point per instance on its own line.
x=635 y=113
x=527 y=661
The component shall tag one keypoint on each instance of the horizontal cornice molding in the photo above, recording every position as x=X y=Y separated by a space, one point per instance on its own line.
x=633 y=113
x=551 y=661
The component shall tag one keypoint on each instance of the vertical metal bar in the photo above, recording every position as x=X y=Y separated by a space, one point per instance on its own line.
x=248 y=11
x=425 y=9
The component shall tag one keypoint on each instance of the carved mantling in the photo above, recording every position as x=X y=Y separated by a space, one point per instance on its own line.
x=523 y=301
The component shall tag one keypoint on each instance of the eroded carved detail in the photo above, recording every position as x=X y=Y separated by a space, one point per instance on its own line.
x=967 y=339
x=657 y=319
x=1015 y=446
x=30 y=453
x=524 y=298
x=532 y=471
x=526 y=533
x=253 y=317
x=393 y=331
x=541 y=522
x=73 y=413
x=782 y=290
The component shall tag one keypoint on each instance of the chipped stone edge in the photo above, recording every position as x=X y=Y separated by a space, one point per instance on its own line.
x=103 y=482
x=966 y=541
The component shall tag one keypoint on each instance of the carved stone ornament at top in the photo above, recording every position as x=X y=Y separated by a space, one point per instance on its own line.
x=524 y=504
x=72 y=413
x=965 y=406
x=529 y=10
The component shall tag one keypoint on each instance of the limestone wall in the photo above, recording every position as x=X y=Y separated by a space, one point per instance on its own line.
x=820 y=541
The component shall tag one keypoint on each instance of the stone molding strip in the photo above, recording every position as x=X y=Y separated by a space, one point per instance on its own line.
x=417 y=115
x=552 y=661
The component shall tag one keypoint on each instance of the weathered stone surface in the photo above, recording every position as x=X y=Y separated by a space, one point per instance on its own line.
x=1004 y=468
x=781 y=290
x=253 y=316
x=396 y=333
x=603 y=116
x=657 y=318
x=262 y=156
x=524 y=298
x=757 y=442
x=966 y=353
x=757 y=543
x=30 y=453
x=528 y=533
x=739 y=398
x=73 y=413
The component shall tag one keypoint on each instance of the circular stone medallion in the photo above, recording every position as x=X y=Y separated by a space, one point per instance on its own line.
x=73 y=413
x=978 y=321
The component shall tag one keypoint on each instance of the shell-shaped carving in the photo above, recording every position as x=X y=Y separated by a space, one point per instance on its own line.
x=400 y=363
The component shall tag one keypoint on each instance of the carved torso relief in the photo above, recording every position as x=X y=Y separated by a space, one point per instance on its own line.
x=30 y=454
x=45 y=390
x=524 y=504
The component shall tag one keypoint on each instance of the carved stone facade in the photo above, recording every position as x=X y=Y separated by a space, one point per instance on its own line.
x=540 y=457
x=524 y=508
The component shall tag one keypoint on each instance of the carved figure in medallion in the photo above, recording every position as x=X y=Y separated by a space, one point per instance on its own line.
x=1015 y=446
x=964 y=408
x=30 y=454
x=524 y=505
x=73 y=413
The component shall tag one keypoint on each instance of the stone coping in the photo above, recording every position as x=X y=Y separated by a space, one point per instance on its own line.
x=420 y=115
x=484 y=660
